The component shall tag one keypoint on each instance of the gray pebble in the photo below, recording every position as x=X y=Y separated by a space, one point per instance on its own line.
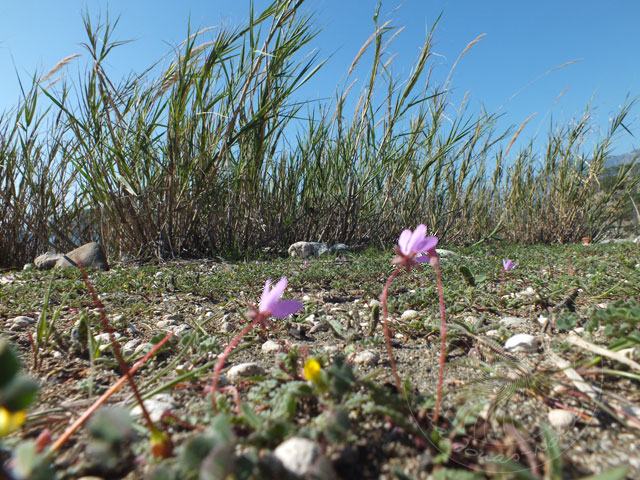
x=243 y=370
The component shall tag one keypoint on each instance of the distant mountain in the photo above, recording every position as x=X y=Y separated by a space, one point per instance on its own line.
x=616 y=160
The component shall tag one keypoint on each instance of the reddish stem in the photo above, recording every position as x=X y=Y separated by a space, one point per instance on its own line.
x=114 y=388
x=387 y=333
x=259 y=318
x=115 y=346
x=443 y=336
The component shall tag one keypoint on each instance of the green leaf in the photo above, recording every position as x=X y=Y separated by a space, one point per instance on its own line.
x=467 y=275
x=9 y=363
x=617 y=473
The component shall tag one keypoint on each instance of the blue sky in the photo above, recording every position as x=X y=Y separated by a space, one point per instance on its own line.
x=504 y=72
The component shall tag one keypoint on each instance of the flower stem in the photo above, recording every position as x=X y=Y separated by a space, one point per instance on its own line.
x=387 y=334
x=216 y=372
x=443 y=337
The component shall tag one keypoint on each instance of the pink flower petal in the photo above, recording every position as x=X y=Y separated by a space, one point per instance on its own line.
x=417 y=237
x=265 y=293
x=284 y=308
x=403 y=241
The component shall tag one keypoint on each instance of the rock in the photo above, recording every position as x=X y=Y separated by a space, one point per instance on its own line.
x=143 y=348
x=90 y=255
x=20 y=323
x=180 y=329
x=542 y=320
x=331 y=349
x=308 y=249
x=528 y=292
x=366 y=357
x=511 y=322
x=409 y=315
x=339 y=248
x=560 y=418
x=442 y=253
x=521 y=342
x=129 y=348
x=303 y=458
x=105 y=338
x=28 y=266
x=243 y=370
x=156 y=406
x=47 y=260
x=174 y=318
x=270 y=347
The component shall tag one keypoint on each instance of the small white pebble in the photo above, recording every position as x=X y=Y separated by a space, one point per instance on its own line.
x=156 y=406
x=306 y=298
x=521 y=342
x=542 y=320
x=143 y=348
x=560 y=418
x=409 y=315
x=243 y=370
x=270 y=347
x=299 y=456
x=366 y=357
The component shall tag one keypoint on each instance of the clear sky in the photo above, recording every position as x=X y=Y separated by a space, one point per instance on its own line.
x=504 y=72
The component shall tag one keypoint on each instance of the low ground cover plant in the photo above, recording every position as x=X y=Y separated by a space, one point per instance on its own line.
x=493 y=409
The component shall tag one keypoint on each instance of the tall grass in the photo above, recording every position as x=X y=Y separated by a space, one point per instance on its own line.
x=206 y=153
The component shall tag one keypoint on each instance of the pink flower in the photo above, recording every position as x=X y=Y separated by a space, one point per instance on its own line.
x=508 y=265
x=272 y=306
x=410 y=244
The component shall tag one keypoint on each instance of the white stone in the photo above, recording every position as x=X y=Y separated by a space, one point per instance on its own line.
x=243 y=370
x=521 y=342
x=180 y=329
x=105 y=338
x=445 y=253
x=409 y=315
x=270 y=347
x=227 y=327
x=527 y=292
x=28 y=266
x=129 y=348
x=306 y=298
x=174 y=318
x=560 y=418
x=366 y=357
x=156 y=406
x=300 y=456
x=331 y=349
x=143 y=348
x=21 y=322
x=542 y=320
x=308 y=249
x=512 y=321
x=89 y=255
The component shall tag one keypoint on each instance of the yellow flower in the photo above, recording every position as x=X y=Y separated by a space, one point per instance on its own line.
x=313 y=373
x=10 y=421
